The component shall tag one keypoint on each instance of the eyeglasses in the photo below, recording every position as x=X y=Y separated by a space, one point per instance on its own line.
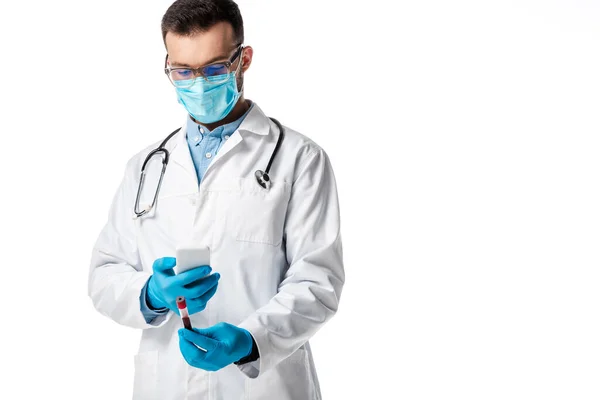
x=214 y=73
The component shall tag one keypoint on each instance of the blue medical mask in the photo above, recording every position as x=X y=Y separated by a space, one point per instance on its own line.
x=209 y=101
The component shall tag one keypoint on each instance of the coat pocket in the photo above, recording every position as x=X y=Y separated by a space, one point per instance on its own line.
x=257 y=215
x=144 y=383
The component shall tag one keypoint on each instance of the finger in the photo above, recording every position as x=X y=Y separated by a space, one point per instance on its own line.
x=164 y=265
x=201 y=286
x=214 y=332
x=206 y=296
x=189 y=276
x=196 y=346
x=191 y=353
x=199 y=304
x=196 y=308
x=196 y=337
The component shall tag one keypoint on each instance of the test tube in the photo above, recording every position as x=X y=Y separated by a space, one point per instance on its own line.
x=185 y=317
x=183 y=312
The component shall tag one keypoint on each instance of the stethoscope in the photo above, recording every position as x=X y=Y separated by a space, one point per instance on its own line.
x=262 y=177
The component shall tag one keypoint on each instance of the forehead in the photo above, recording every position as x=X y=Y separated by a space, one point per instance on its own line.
x=202 y=47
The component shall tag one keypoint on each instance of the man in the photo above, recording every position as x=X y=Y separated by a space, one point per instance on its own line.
x=276 y=271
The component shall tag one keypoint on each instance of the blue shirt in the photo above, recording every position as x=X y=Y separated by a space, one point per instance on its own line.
x=204 y=145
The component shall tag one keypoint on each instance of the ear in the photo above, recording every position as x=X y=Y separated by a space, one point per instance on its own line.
x=247 y=58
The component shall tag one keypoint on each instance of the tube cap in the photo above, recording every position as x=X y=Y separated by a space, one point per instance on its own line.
x=181 y=303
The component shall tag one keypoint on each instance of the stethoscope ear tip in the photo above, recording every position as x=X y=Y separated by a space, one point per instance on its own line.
x=263 y=179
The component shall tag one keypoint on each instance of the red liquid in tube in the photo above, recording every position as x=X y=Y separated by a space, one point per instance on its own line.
x=183 y=312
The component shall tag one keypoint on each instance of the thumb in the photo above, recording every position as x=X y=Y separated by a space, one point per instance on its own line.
x=164 y=265
x=196 y=337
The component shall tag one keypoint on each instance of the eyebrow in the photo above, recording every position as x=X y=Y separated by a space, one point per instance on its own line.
x=212 y=60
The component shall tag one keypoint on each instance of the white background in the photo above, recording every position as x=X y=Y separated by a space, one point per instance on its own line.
x=464 y=137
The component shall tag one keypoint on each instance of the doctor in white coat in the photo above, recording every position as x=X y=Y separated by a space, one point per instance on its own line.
x=276 y=271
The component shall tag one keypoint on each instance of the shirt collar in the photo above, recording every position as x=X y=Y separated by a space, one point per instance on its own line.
x=195 y=130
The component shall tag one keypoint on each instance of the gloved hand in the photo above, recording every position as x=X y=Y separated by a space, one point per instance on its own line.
x=165 y=286
x=225 y=344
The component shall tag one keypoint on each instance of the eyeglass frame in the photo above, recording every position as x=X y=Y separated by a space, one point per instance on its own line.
x=198 y=71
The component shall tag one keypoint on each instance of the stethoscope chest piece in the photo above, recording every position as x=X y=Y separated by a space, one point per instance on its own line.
x=262 y=179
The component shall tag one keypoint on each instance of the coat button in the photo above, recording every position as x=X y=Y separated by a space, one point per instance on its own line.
x=208 y=155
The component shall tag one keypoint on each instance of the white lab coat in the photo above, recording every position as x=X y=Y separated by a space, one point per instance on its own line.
x=279 y=253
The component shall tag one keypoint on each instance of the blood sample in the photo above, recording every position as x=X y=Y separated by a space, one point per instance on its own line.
x=183 y=312
x=185 y=317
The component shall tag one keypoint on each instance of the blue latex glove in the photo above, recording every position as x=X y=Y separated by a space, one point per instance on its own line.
x=165 y=286
x=225 y=344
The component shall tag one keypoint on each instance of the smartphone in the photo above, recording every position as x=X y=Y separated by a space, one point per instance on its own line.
x=191 y=256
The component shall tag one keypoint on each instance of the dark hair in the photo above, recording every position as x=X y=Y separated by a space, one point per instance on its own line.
x=187 y=17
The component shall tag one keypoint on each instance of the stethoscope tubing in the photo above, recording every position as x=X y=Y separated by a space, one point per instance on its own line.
x=262 y=177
